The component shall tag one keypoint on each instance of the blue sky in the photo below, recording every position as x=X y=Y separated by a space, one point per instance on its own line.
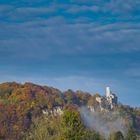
x=77 y=44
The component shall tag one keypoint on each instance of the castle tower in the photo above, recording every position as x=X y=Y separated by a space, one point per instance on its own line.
x=111 y=98
x=108 y=91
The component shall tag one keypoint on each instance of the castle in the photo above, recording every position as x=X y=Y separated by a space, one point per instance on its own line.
x=107 y=102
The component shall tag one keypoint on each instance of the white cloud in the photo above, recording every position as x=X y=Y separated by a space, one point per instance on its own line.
x=5 y=10
x=57 y=36
x=34 y=10
x=113 y=7
x=77 y=8
x=133 y=72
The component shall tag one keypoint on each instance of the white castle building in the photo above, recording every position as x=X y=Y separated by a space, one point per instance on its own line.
x=108 y=101
x=111 y=98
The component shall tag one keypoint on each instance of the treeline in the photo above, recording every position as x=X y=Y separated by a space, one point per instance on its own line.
x=21 y=115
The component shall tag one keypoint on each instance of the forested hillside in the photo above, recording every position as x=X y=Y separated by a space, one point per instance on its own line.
x=33 y=112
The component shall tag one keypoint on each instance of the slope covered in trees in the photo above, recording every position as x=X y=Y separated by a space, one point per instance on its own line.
x=21 y=114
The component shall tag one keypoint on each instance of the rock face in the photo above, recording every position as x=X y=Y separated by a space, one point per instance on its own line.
x=107 y=102
x=55 y=111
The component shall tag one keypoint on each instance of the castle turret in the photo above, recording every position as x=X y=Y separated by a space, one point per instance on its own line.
x=111 y=98
x=108 y=91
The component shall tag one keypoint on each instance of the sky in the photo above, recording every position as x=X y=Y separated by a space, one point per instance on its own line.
x=73 y=44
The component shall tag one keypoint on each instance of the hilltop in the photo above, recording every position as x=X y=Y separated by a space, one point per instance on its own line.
x=22 y=104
